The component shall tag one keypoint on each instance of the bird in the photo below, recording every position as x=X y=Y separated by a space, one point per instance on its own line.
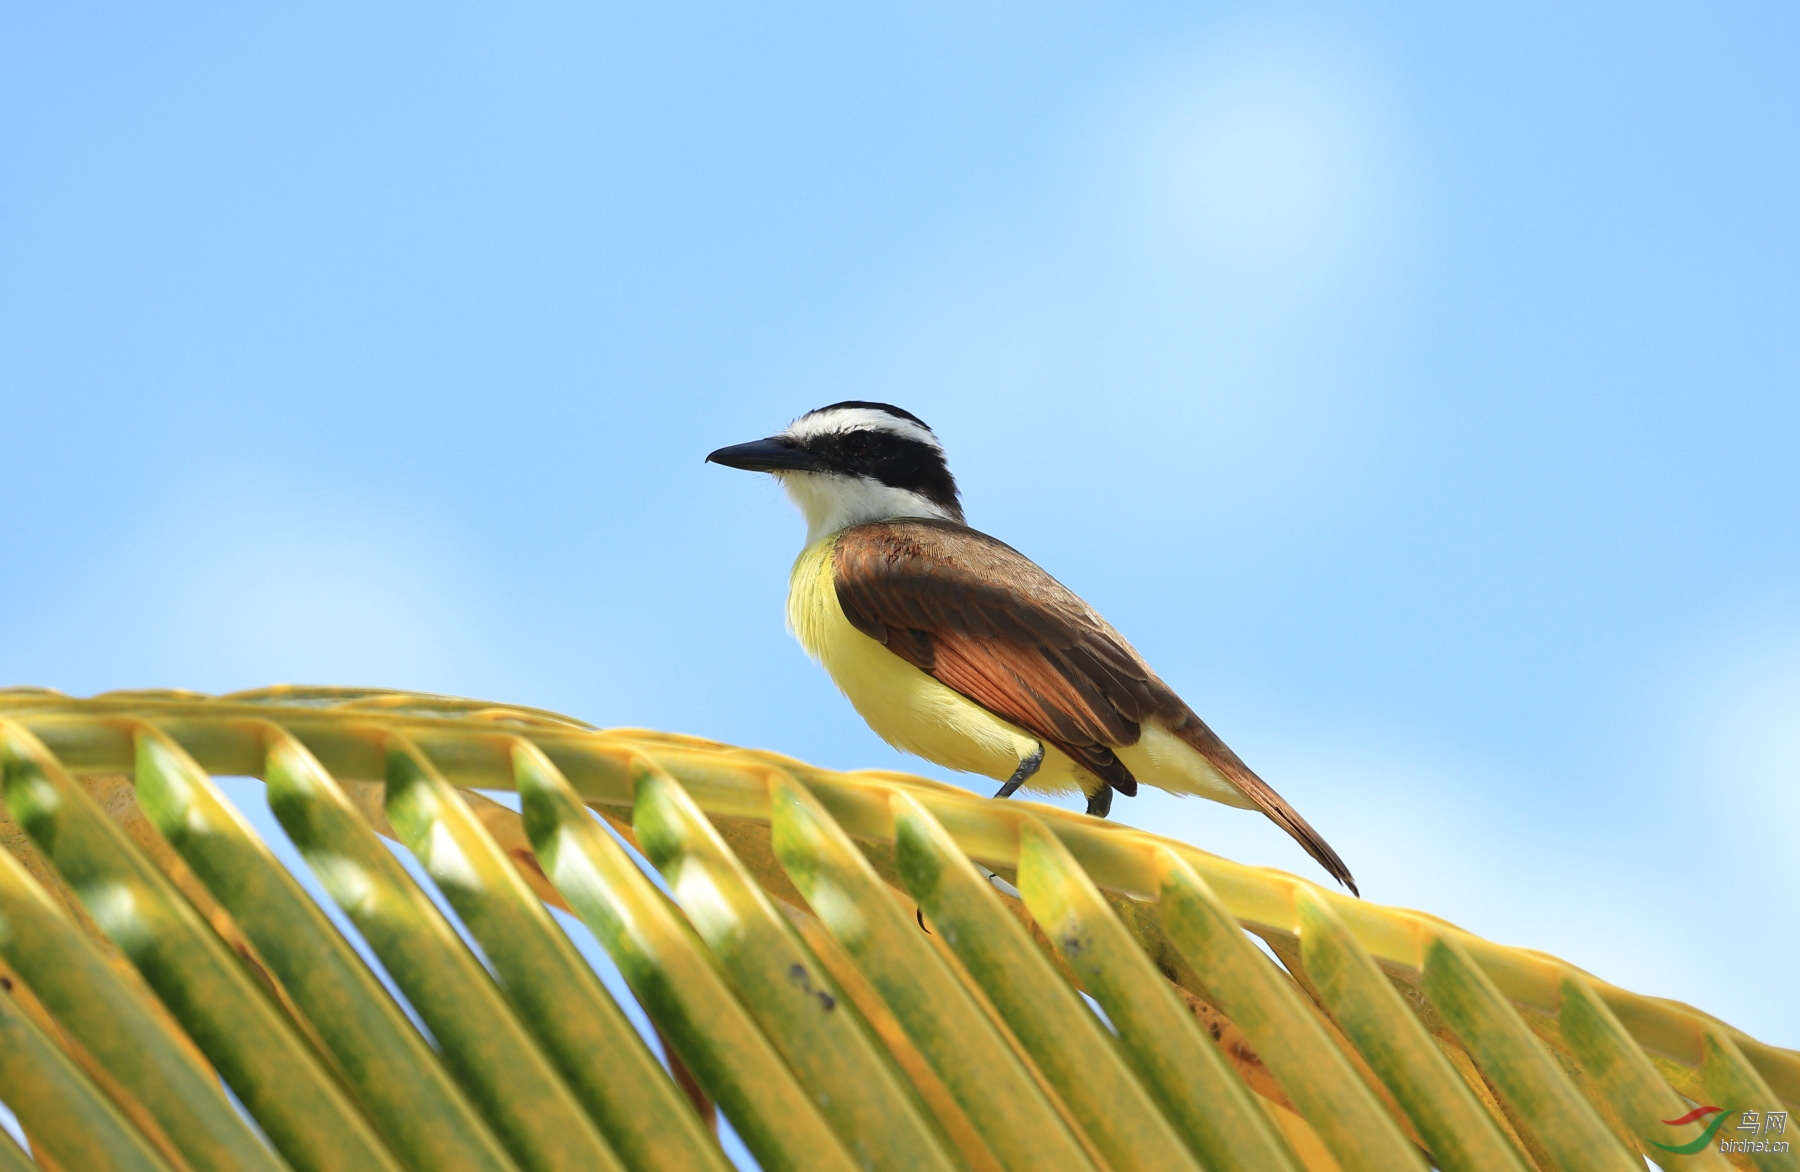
x=957 y=648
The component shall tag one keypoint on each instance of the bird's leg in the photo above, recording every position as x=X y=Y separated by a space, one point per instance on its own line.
x=1023 y=773
x=1100 y=801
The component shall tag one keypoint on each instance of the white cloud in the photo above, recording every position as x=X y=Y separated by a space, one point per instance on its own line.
x=1729 y=752
x=347 y=597
x=1266 y=160
x=1192 y=313
x=1749 y=730
x=238 y=585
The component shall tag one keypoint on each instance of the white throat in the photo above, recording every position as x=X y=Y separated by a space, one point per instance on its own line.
x=831 y=501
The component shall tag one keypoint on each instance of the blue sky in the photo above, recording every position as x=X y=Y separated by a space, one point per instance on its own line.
x=1416 y=387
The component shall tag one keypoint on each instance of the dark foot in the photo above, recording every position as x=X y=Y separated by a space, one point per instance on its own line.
x=1022 y=774
x=1100 y=801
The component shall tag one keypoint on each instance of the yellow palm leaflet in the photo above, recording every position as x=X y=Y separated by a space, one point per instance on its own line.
x=857 y=970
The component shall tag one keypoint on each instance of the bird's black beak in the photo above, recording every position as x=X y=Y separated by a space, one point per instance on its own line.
x=767 y=455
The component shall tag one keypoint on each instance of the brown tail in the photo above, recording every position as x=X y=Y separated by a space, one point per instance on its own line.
x=1192 y=730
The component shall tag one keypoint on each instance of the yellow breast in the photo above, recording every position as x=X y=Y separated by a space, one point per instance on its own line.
x=906 y=707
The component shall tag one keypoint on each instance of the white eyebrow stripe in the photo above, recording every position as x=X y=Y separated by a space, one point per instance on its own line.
x=846 y=419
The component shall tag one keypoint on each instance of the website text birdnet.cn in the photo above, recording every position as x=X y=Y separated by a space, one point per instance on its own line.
x=1751 y=1124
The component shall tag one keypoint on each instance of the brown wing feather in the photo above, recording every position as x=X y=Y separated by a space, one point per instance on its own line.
x=984 y=619
x=1203 y=740
x=987 y=621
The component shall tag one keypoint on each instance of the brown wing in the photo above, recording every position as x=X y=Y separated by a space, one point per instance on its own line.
x=984 y=619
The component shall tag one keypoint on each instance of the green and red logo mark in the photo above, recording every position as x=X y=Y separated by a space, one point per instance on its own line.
x=1706 y=1137
x=1750 y=1123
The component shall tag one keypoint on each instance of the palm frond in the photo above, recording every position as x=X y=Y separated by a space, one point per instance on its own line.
x=862 y=970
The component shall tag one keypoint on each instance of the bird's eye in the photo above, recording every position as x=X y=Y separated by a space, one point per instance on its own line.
x=857 y=443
